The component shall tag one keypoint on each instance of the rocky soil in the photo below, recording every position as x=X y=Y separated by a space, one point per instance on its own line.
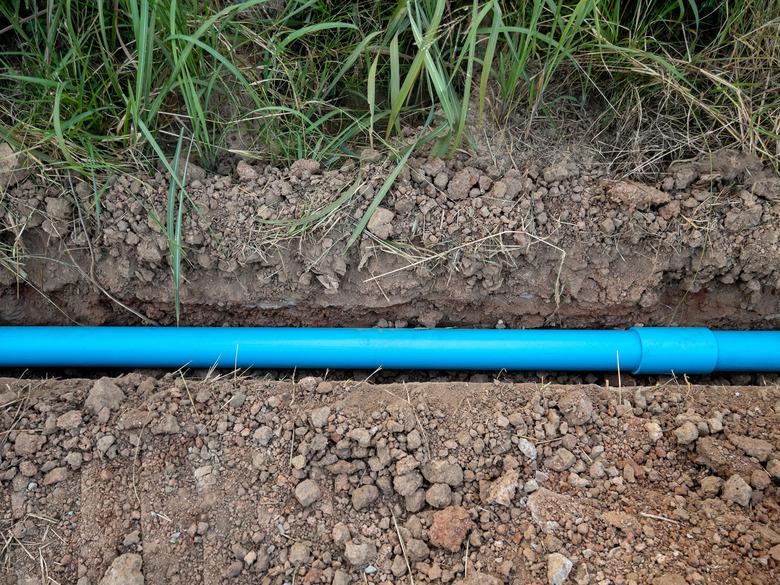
x=141 y=479
x=471 y=241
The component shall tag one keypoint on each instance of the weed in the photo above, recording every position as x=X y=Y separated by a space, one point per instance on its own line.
x=85 y=82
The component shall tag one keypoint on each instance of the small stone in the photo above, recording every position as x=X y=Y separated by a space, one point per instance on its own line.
x=479 y=578
x=774 y=552
x=715 y=425
x=758 y=448
x=131 y=538
x=406 y=465
x=307 y=492
x=263 y=435
x=308 y=384
x=417 y=550
x=360 y=554
x=233 y=570
x=670 y=579
x=28 y=443
x=461 y=183
x=398 y=568
x=56 y=475
x=654 y=431
x=441 y=180
x=104 y=394
x=166 y=425
x=737 y=490
x=74 y=459
x=773 y=468
x=710 y=486
x=413 y=440
x=760 y=479
x=364 y=496
x=561 y=460
x=124 y=570
x=502 y=491
x=450 y=527
x=237 y=400
x=340 y=578
x=408 y=483
x=686 y=433
x=527 y=448
x=340 y=533
x=69 y=420
x=319 y=417
x=380 y=223
x=104 y=443
x=558 y=568
x=300 y=553
x=576 y=407
x=245 y=172
x=442 y=471
x=439 y=495
x=415 y=502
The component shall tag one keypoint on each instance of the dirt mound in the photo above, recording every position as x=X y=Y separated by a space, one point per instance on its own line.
x=233 y=480
x=465 y=242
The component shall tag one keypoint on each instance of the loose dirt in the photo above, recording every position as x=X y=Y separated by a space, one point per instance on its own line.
x=474 y=241
x=142 y=479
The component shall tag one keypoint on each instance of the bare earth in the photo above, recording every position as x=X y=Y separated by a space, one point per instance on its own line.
x=240 y=480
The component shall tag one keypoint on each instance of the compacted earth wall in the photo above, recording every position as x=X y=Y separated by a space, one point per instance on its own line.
x=472 y=241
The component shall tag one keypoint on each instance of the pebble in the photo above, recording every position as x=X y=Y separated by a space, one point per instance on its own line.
x=364 y=496
x=69 y=420
x=407 y=484
x=502 y=491
x=654 y=431
x=758 y=448
x=561 y=460
x=686 y=433
x=737 y=490
x=307 y=492
x=558 y=568
x=124 y=570
x=28 y=443
x=576 y=407
x=360 y=554
x=319 y=417
x=439 y=495
x=449 y=528
x=527 y=448
x=442 y=471
x=300 y=553
x=104 y=394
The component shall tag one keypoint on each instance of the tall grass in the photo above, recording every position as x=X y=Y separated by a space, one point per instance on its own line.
x=85 y=82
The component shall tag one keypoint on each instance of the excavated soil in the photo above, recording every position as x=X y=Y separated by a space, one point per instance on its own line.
x=141 y=479
x=474 y=241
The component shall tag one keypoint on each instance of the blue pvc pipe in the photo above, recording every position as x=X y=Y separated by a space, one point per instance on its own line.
x=641 y=350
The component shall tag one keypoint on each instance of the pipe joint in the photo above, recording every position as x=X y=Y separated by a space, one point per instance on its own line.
x=690 y=350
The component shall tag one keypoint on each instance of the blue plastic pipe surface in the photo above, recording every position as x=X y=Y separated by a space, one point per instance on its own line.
x=641 y=350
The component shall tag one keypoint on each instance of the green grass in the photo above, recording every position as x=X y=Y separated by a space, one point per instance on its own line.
x=89 y=85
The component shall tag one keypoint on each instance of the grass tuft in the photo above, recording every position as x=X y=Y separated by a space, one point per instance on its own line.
x=87 y=81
